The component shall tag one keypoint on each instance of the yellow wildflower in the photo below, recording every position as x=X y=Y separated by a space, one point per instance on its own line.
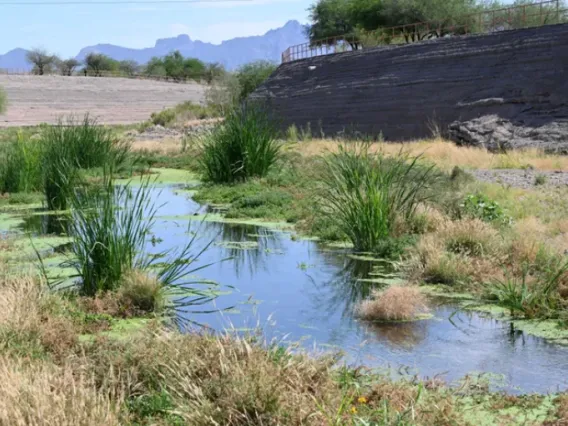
x=362 y=400
x=354 y=410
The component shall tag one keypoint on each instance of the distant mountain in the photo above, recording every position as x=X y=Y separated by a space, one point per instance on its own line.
x=231 y=53
x=15 y=59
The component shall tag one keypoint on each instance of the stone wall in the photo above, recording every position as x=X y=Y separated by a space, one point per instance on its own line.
x=514 y=79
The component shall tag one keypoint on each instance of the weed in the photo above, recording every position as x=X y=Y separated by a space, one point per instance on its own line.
x=366 y=194
x=241 y=147
x=540 y=179
x=530 y=295
x=481 y=207
x=142 y=292
x=292 y=134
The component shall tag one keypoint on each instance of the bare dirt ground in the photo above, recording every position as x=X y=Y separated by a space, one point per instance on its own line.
x=34 y=100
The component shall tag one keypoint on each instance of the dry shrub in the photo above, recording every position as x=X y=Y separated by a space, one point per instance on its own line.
x=44 y=394
x=141 y=293
x=222 y=380
x=161 y=146
x=396 y=303
x=27 y=320
x=470 y=237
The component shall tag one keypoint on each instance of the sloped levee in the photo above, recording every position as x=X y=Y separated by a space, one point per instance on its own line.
x=508 y=88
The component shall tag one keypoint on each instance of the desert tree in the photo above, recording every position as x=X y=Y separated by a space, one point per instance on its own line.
x=67 y=66
x=213 y=71
x=128 y=67
x=96 y=64
x=41 y=60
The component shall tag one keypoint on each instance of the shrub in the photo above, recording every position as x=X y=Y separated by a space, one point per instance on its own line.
x=481 y=207
x=163 y=118
x=142 y=292
x=365 y=194
x=396 y=303
x=540 y=179
x=252 y=75
x=241 y=147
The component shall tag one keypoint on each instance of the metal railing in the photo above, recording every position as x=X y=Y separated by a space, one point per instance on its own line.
x=542 y=13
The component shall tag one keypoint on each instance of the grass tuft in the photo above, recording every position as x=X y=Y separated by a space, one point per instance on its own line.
x=366 y=194
x=243 y=146
x=396 y=303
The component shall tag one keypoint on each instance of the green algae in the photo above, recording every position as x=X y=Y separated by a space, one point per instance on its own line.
x=216 y=217
x=238 y=245
x=495 y=409
x=163 y=176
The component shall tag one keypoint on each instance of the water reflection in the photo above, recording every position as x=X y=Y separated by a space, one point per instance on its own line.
x=404 y=335
x=46 y=224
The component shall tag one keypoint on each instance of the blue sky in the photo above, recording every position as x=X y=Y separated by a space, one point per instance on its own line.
x=66 y=29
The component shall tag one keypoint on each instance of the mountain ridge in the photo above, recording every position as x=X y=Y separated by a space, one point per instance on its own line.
x=231 y=53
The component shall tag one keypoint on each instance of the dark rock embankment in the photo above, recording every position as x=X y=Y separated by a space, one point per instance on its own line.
x=503 y=90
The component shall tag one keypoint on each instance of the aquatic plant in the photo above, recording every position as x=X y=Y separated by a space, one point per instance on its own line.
x=366 y=194
x=111 y=226
x=244 y=145
x=395 y=303
x=528 y=294
x=86 y=143
x=59 y=173
x=20 y=166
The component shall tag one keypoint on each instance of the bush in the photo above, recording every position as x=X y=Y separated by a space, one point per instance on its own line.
x=481 y=207
x=181 y=113
x=252 y=75
x=366 y=194
x=142 y=292
x=163 y=118
x=241 y=147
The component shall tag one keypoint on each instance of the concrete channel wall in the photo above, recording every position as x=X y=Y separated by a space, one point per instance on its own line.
x=403 y=92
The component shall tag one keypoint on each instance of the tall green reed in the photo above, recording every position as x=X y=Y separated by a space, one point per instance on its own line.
x=111 y=226
x=365 y=194
x=20 y=166
x=87 y=144
x=244 y=145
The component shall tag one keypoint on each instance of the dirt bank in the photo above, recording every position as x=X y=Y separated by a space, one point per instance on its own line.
x=33 y=99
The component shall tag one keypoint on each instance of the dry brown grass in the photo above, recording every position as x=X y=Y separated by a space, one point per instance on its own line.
x=396 y=303
x=41 y=393
x=162 y=146
x=447 y=155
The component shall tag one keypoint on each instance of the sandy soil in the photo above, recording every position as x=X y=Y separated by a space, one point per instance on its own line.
x=34 y=99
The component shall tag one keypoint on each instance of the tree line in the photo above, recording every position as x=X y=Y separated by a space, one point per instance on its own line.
x=354 y=21
x=174 y=66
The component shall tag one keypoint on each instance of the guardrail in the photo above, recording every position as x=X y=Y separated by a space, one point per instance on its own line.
x=522 y=16
x=20 y=71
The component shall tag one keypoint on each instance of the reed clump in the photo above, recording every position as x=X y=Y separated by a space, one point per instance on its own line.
x=241 y=147
x=367 y=194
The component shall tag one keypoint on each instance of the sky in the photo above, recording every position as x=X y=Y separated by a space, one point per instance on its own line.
x=65 y=29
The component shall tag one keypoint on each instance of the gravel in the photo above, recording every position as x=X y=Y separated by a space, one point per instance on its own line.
x=521 y=178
